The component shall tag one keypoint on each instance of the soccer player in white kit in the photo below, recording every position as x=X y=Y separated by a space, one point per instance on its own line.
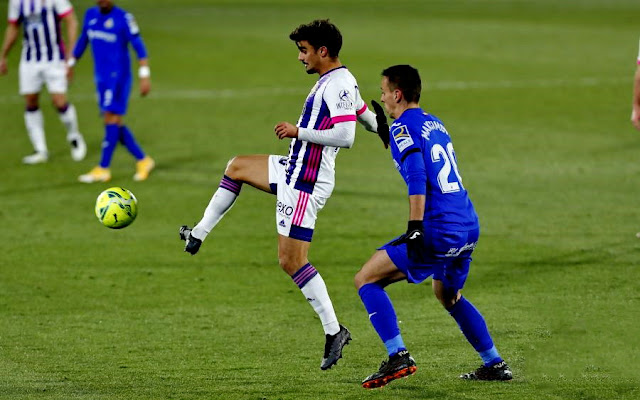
x=43 y=62
x=303 y=180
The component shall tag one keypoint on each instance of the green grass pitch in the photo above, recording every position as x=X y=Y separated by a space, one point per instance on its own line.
x=536 y=95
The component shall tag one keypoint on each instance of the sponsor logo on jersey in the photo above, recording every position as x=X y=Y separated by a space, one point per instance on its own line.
x=346 y=101
x=401 y=137
x=102 y=35
x=33 y=20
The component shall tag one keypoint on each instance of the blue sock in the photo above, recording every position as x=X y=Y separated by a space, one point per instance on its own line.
x=127 y=138
x=382 y=316
x=475 y=329
x=111 y=135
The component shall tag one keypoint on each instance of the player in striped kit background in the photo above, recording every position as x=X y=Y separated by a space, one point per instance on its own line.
x=43 y=62
x=303 y=180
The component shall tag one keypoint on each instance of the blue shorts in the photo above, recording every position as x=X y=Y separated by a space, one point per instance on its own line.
x=113 y=95
x=447 y=255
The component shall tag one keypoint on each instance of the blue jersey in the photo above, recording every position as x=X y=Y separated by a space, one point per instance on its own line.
x=423 y=153
x=110 y=35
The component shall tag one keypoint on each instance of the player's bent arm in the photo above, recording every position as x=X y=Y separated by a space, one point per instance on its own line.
x=342 y=134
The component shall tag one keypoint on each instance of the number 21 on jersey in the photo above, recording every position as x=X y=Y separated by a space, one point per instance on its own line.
x=438 y=153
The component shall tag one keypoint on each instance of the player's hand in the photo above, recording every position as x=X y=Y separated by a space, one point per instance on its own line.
x=3 y=66
x=635 y=116
x=414 y=238
x=383 y=126
x=285 y=130
x=145 y=86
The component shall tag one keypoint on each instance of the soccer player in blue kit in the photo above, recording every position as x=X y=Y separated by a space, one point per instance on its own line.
x=442 y=233
x=110 y=29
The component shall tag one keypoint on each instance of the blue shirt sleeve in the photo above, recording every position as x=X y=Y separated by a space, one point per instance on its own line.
x=415 y=173
x=82 y=42
x=133 y=35
x=409 y=157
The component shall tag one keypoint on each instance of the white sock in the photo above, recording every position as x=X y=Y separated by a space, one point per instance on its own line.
x=220 y=203
x=35 y=128
x=70 y=120
x=317 y=295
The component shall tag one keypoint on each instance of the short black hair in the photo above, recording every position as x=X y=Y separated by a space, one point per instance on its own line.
x=318 y=33
x=407 y=79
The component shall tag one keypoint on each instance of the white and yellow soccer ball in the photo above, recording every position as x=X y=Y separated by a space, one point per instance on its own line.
x=116 y=208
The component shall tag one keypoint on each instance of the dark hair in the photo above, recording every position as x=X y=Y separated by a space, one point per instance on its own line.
x=407 y=79
x=319 y=33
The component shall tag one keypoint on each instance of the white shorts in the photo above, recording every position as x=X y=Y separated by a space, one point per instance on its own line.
x=34 y=74
x=296 y=211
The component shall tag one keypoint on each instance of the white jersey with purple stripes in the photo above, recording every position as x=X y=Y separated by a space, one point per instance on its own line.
x=334 y=99
x=42 y=41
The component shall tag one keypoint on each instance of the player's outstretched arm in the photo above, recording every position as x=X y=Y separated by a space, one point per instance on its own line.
x=635 y=113
x=10 y=36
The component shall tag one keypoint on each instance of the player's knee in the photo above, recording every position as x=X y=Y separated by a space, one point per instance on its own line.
x=362 y=278
x=448 y=298
x=31 y=102
x=289 y=264
x=359 y=280
x=233 y=168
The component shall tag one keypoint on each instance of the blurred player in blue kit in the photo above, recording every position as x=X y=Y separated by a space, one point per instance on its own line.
x=442 y=233
x=110 y=30
x=43 y=62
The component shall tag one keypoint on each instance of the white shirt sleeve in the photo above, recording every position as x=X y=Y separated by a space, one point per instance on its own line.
x=14 y=11
x=341 y=134
x=368 y=119
x=639 y=55
x=62 y=7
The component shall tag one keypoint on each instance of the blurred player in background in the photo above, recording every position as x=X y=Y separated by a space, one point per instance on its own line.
x=303 y=180
x=635 y=111
x=442 y=232
x=110 y=30
x=43 y=62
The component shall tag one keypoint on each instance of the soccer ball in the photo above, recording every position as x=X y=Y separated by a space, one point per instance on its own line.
x=116 y=208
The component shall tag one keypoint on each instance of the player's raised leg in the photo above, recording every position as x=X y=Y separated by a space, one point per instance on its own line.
x=250 y=169
x=34 y=123
x=474 y=328
x=69 y=118
x=370 y=281
x=292 y=255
